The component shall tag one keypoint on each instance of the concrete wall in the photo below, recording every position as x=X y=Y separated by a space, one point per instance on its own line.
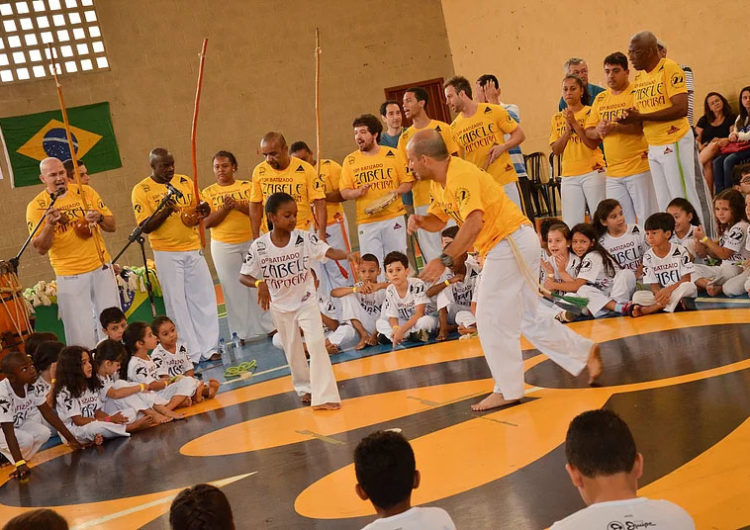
x=526 y=43
x=259 y=76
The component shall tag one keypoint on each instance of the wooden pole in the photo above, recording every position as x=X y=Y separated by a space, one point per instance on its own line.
x=193 y=144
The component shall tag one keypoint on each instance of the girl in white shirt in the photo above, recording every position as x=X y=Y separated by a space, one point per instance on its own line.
x=626 y=243
x=685 y=221
x=559 y=267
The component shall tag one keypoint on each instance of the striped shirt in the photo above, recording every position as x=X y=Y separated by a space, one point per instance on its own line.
x=516 y=155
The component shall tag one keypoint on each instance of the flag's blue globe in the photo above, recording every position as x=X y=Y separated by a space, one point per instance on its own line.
x=55 y=143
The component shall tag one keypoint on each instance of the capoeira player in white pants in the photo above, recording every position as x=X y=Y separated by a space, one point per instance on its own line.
x=189 y=294
x=492 y=224
x=661 y=105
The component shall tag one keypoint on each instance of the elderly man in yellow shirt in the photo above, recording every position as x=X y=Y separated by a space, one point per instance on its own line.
x=186 y=282
x=492 y=224
x=629 y=179
x=84 y=287
x=661 y=105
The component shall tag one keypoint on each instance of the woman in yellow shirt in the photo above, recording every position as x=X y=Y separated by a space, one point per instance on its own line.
x=231 y=236
x=583 y=169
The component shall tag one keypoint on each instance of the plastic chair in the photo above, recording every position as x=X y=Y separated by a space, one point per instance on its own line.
x=554 y=184
x=537 y=183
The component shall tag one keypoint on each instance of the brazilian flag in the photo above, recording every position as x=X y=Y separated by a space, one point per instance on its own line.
x=32 y=138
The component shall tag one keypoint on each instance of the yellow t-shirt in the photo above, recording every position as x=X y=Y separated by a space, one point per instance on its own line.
x=172 y=235
x=653 y=91
x=468 y=188
x=299 y=180
x=627 y=154
x=477 y=134
x=577 y=159
x=70 y=254
x=384 y=172
x=235 y=228
x=421 y=189
x=330 y=172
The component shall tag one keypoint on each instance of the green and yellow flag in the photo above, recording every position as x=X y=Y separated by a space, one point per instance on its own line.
x=30 y=139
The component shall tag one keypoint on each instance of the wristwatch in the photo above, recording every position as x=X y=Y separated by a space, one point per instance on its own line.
x=446 y=260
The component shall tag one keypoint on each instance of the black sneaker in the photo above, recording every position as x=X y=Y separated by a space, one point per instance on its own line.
x=382 y=339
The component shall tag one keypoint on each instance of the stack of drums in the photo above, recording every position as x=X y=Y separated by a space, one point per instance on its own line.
x=15 y=322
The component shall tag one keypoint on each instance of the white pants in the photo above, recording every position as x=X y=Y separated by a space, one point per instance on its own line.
x=427 y=322
x=716 y=274
x=190 y=300
x=87 y=433
x=331 y=276
x=429 y=242
x=31 y=437
x=737 y=285
x=511 y=190
x=577 y=192
x=623 y=287
x=503 y=286
x=351 y=309
x=684 y=290
x=81 y=298
x=316 y=379
x=677 y=172
x=382 y=237
x=635 y=194
x=466 y=319
x=134 y=402
x=245 y=316
x=345 y=336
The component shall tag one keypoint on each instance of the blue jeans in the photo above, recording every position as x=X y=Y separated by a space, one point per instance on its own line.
x=723 y=166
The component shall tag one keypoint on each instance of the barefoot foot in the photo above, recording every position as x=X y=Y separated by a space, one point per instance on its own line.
x=327 y=406
x=493 y=401
x=213 y=388
x=594 y=364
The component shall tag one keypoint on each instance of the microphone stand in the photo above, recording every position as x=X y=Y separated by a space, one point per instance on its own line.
x=137 y=235
x=15 y=260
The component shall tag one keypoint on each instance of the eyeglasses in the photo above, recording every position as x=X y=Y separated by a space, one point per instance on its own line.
x=745 y=180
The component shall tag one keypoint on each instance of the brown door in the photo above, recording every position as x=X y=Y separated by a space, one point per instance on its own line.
x=436 y=107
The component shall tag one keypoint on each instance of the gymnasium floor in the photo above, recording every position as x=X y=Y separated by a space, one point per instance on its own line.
x=681 y=381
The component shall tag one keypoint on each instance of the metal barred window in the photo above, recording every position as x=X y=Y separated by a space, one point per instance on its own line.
x=28 y=27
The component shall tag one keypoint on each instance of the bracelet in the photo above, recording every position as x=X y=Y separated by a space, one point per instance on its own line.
x=395 y=328
x=257 y=283
x=20 y=463
x=354 y=289
x=447 y=283
x=143 y=387
x=108 y=418
x=703 y=239
x=52 y=381
x=550 y=275
x=166 y=383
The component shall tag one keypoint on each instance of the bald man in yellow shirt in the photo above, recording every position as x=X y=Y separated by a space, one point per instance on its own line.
x=493 y=225
x=661 y=106
x=189 y=294
x=84 y=287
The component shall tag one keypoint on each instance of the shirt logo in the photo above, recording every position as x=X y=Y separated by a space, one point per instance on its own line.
x=183 y=179
x=300 y=240
x=487 y=110
x=673 y=129
x=438 y=128
x=299 y=169
x=389 y=153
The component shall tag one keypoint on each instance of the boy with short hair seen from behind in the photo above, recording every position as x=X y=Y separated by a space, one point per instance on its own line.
x=386 y=475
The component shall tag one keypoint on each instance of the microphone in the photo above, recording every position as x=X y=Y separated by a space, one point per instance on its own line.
x=174 y=191
x=57 y=193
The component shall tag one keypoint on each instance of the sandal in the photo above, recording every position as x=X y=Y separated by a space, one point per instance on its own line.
x=239 y=370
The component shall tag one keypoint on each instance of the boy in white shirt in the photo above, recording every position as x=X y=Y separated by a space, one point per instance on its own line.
x=405 y=304
x=386 y=475
x=361 y=303
x=278 y=265
x=666 y=267
x=605 y=466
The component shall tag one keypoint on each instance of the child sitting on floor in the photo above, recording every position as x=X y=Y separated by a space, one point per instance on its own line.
x=386 y=475
x=78 y=400
x=361 y=304
x=561 y=267
x=113 y=323
x=666 y=268
x=455 y=288
x=45 y=363
x=685 y=221
x=172 y=359
x=405 y=305
x=624 y=242
x=119 y=395
x=138 y=367
x=20 y=437
x=34 y=339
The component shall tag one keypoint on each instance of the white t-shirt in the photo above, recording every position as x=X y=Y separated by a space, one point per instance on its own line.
x=735 y=240
x=17 y=409
x=40 y=387
x=416 y=518
x=371 y=303
x=639 y=513
x=404 y=308
x=142 y=370
x=571 y=267
x=669 y=269
x=627 y=249
x=688 y=242
x=460 y=293
x=85 y=405
x=172 y=364
x=286 y=270
x=594 y=272
x=327 y=308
